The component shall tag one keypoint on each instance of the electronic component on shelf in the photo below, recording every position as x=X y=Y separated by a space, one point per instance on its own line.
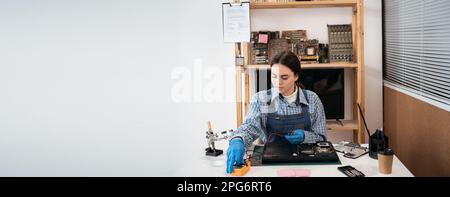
x=309 y=59
x=341 y=43
x=259 y=53
x=278 y=45
x=311 y=52
x=295 y=36
x=263 y=38
x=323 y=53
x=266 y=44
x=297 y=39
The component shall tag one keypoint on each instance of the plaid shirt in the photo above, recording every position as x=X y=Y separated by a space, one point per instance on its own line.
x=255 y=120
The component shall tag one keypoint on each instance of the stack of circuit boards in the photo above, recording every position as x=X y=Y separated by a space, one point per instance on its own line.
x=266 y=44
x=340 y=43
x=278 y=45
x=306 y=50
x=260 y=46
x=297 y=40
x=260 y=51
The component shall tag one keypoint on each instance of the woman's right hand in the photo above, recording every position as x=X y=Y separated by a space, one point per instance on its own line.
x=235 y=154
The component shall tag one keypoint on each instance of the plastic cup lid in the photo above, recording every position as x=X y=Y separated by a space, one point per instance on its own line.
x=386 y=151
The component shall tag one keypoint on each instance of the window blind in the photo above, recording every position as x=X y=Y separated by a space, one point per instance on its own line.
x=417 y=47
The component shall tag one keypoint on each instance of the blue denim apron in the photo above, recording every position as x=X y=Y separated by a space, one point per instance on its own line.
x=279 y=125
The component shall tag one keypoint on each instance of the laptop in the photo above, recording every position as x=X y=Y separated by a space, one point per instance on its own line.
x=286 y=153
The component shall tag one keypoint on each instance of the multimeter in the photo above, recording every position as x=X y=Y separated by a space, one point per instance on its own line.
x=241 y=170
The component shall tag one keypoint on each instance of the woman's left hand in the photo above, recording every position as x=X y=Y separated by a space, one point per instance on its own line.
x=296 y=136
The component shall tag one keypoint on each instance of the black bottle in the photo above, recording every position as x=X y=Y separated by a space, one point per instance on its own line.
x=377 y=142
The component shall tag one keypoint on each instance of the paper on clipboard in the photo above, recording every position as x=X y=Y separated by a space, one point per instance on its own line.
x=236 y=22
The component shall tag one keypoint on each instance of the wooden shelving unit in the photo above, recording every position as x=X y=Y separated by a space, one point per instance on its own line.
x=310 y=66
x=242 y=76
x=304 y=4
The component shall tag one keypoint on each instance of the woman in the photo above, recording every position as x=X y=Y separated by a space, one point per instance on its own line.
x=284 y=114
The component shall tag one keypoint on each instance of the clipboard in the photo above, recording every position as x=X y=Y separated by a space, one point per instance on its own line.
x=236 y=22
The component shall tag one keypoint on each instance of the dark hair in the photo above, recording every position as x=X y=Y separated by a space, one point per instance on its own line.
x=290 y=60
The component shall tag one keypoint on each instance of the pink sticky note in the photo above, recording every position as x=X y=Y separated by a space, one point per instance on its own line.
x=302 y=173
x=293 y=173
x=263 y=38
x=286 y=173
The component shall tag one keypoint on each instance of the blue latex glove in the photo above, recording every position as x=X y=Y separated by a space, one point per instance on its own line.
x=296 y=136
x=235 y=154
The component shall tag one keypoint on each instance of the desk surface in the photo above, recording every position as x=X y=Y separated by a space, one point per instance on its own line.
x=201 y=165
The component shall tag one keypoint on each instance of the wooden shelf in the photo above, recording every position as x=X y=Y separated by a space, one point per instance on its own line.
x=310 y=66
x=347 y=125
x=304 y=4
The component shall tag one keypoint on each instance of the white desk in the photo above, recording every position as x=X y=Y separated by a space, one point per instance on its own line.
x=201 y=165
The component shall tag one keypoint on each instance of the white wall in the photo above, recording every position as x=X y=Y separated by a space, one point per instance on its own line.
x=373 y=60
x=86 y=87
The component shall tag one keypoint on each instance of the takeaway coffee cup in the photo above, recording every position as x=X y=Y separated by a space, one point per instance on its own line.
x=385 y=158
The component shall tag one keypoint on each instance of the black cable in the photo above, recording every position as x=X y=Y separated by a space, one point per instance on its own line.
x=365 y=124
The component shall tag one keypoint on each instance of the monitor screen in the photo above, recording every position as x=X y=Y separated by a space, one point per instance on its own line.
x=328 y=84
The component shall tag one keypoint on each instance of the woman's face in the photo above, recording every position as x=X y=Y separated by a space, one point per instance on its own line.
x=283 y=79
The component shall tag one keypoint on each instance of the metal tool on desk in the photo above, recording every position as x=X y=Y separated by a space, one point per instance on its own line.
x=212 y=138
x=351 y=150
